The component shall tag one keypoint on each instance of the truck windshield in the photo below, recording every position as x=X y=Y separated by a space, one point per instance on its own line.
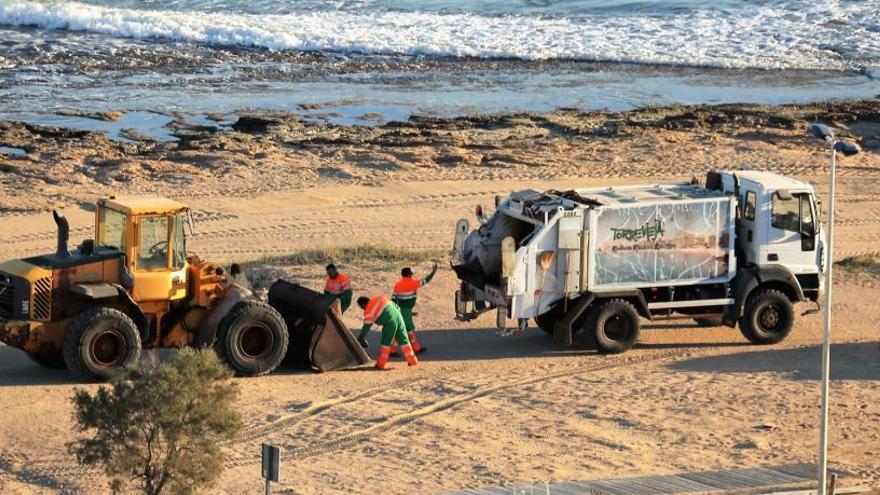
x=111 y=228
x=794 y=214
x=153 y=243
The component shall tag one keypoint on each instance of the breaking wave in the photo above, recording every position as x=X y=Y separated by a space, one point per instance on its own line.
x=788 y=35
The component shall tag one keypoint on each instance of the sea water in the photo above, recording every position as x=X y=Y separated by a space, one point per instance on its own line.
x=368 y=61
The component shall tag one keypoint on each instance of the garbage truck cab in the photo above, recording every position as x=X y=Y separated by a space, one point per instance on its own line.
x=779 y=226
x=740 y=249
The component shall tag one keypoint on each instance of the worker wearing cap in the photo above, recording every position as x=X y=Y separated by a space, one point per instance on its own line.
x=339 y=286
x=380 y=310
x=405 y=293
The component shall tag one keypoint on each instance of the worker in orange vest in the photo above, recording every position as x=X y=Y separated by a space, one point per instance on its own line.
x=405 y=293
x=339 y=286
x=382 y=311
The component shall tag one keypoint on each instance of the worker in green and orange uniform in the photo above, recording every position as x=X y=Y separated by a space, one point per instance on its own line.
x=339 y=286
x=405 y=293
x=380 y=310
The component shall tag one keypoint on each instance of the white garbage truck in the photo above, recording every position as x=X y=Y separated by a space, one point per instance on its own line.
x=740 y=249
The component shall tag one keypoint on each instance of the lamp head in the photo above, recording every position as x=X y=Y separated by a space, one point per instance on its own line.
x=820 y=131
x=848 y=149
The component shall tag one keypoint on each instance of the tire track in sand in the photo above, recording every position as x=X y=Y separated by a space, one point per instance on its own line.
x=393 y=422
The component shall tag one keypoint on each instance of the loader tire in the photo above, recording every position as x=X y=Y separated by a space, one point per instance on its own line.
x=252 y=338
x=613 y=326
x=768 y=317
x=48 y=359
x=100 y=343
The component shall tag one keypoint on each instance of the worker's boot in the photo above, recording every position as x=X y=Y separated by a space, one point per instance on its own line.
x=415 y=344
x=382 y=360
x=394 y=348
x=411 y=359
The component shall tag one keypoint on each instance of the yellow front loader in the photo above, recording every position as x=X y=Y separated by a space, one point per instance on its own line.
x=134 y=286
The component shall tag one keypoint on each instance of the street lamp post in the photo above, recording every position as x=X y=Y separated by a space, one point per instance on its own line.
x=825 y=133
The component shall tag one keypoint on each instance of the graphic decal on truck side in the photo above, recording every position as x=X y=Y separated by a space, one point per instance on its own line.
x=650 y=231
x=656 y=243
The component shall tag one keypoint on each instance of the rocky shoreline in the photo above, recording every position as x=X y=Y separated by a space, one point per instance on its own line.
x=261 y=152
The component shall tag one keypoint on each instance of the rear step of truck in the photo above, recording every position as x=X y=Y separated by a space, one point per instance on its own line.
x=318 y=337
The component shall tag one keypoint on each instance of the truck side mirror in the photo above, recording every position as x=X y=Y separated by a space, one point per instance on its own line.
x=807 y=228
x=808 y=242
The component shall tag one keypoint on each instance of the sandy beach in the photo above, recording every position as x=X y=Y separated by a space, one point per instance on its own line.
x=482 y=409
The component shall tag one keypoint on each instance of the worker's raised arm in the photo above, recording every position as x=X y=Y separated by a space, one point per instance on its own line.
x=428 y=278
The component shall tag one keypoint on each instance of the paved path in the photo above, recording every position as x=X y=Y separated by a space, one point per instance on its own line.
x=754 y=480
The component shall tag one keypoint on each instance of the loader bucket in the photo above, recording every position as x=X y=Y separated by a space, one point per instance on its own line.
x=318 y=337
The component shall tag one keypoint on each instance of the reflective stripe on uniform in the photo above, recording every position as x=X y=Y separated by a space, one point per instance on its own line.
x=375 y=308
x=406 y=288
x=338 y=285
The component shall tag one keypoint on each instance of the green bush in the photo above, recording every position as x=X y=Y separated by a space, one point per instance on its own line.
x=158 y=428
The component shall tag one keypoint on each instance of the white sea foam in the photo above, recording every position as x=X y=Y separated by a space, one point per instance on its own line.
x=833 y=35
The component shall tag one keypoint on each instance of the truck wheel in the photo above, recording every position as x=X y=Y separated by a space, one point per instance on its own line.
x=48 y=359
x=613 y=326
x=252 y=338
x=548 y=320
x=768 y=317
x=708 y=322
x=100 y=343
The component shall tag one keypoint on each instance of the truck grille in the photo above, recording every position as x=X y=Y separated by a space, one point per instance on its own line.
x=7 y=297
x=42 y=309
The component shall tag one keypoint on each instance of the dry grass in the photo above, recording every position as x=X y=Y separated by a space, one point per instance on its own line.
x=864 y=263
x=347 y=255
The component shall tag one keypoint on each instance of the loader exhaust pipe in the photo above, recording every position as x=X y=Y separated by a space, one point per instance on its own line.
x=63 y=235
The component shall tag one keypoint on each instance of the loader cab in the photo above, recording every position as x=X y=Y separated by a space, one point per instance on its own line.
x=778 y=223
x=149 y=231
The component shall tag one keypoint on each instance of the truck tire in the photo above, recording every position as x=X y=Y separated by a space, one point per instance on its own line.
x=252 y=338
x=548 y=320
x=714 y=321
x=100 y=343
x=768 y=317
x=48 y=359
x=613 y=326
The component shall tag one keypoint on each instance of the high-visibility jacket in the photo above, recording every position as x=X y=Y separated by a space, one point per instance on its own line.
x=338 y=285
x=406 y=290
x=379 y=311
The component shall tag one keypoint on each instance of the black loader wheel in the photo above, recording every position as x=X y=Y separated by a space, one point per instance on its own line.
x=252 y=338
x=48 y=359
x=613 y=326
x=768 y=317
x=100 y=343
x=712 y=321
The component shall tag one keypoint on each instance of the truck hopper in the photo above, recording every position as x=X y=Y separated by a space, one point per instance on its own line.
x=318 y=337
